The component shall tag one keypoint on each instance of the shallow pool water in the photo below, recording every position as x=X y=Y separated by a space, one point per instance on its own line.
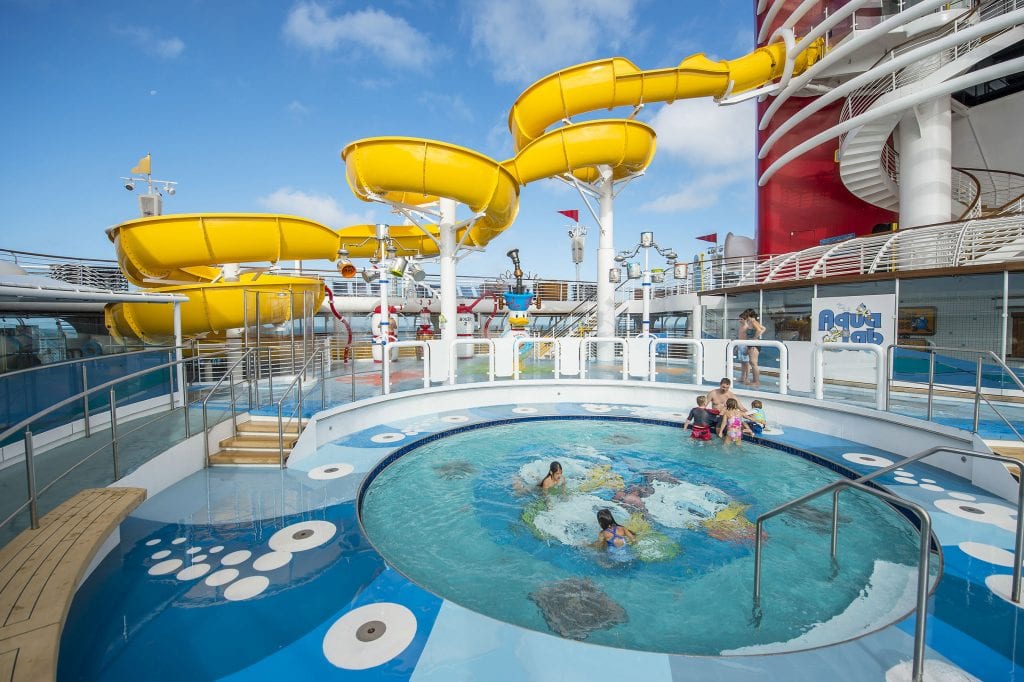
x=463 y=517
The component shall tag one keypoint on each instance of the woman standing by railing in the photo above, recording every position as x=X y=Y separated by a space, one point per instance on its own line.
x=751 y=329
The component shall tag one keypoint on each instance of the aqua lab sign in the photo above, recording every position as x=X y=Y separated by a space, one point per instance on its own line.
x=854 y=319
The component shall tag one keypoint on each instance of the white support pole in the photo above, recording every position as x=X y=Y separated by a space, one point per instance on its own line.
x=178 y=356
x=385 y=314
x=926 y=156
x=605 y=262
x=449 y=306
x=818 y=358
x=645 y=330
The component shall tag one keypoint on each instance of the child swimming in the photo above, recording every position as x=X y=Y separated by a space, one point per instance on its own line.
x=613 y=537
x=553 y=478
x=756 y=418
x=701 y=419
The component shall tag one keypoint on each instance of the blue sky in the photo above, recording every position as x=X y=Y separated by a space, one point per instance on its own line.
x=248 y=104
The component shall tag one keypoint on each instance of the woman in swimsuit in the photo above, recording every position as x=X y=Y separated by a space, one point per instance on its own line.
x=613 y=537
x=732 y=427
x=750 y=329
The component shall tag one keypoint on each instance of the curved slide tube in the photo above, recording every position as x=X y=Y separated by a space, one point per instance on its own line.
x=417 y=171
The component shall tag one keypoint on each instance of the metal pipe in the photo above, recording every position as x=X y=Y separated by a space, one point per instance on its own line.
x=977 y=396
x=835 y=522
x=30 y=477
x=931 y=382
x=291 y=328
x=85 y=400
x=170 y=379
x=323 y=380
x=280 y=433
x=113 y=433
x=231 y=394
x=352 y=375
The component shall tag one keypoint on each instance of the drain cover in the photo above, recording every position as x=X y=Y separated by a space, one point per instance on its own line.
x=972 y=510
x=302 y=534
x=330 y=470
x=370 y=631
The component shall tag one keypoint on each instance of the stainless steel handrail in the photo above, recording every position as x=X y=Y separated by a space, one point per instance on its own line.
x=229 y=374
x=1018 y=552
x=152 y=349
x=33 y=494
x=319 y=352
x=923 y=559
x=978 y=395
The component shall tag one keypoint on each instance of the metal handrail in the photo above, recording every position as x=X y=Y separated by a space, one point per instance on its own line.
x=151 y=349
x=33 y=494
x=923 y=560
x=978 y=395
x=1018 y=552
x=229 y=375
x=319 y=352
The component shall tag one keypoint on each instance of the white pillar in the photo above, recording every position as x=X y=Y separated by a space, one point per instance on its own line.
x=605 y=262
x=178 y=355
x=449 y=306
x=645 y=330
x=925 y=139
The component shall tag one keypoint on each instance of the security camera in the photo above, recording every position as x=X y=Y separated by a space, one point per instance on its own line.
x=129 y=185
x=170 y=191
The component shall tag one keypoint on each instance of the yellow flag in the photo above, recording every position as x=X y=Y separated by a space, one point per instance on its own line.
x=143 y=165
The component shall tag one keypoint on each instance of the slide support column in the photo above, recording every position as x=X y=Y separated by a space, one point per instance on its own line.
x=605 y=262
x=449 y=305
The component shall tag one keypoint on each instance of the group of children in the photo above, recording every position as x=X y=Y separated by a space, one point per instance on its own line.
x=725 y=415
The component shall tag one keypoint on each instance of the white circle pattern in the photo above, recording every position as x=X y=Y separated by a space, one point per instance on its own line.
x=996 y=556
x=866 y=459
x=235 y=558
x=328 y=471
x=194 y=571
x=342 y=645
x=221 y=577
x=387 y=437
x=315 y=534
x=272 y=560
x=246 y=588
x=165 y=567
x=162 y=554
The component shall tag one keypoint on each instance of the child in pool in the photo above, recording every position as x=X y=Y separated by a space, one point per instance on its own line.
x=701 y=419
x=756 y=418
x=554 y=477
x=613 y=537
x=731 y=427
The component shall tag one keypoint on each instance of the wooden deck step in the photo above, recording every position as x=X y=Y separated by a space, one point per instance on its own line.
x=258 y=442
x=269 y=426
x=253 y=457
x=40 y=571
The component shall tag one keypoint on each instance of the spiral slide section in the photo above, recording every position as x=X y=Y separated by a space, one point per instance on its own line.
x=182 y=253
x=417 y=171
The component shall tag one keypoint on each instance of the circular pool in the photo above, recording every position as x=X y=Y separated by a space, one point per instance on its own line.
x=462 y=516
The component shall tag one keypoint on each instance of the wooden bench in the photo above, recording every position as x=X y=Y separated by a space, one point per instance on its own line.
x=40 y=571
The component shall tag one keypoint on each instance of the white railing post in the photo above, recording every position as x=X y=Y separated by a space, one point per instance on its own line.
x=426 y=358
x=453 y=358
x=698 y=357
x=880 y=368
x=604 y=339
x=783 y=359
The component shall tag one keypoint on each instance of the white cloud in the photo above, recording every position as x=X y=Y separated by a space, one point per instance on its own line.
x=321 y=208
x=385 y=37
x=452 y=107
x=529 y=39
x=297 y=108
x=702 y=192
x=146 y=40
x=704 y=133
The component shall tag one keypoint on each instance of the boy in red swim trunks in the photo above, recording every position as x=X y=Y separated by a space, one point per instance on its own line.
x=701 y=419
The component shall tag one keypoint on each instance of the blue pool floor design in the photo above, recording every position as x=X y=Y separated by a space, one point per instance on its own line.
x=125 y=620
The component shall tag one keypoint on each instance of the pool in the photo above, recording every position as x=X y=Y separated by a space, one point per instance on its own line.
x=462 y=517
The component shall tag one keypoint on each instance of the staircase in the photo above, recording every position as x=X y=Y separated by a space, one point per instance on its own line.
x=868 y=165
x=256 y=443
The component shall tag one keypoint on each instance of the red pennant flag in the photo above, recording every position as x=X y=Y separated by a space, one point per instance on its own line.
x=574 y=215
x=713 y=238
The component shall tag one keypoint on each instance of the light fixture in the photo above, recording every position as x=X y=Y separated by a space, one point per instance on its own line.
x=347 y=268
x=371 y=275
x=170 y=190
x=619 y=258
x=633 y=271
x=657 y=275
x=416 y=272
x=129 y=185
x=646 y=239
x=614 y=276
x=398 y=266
x=671 y=255
x=679 y=270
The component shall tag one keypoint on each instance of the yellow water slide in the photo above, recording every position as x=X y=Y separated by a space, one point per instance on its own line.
x=183 y=253
x=417 y=171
